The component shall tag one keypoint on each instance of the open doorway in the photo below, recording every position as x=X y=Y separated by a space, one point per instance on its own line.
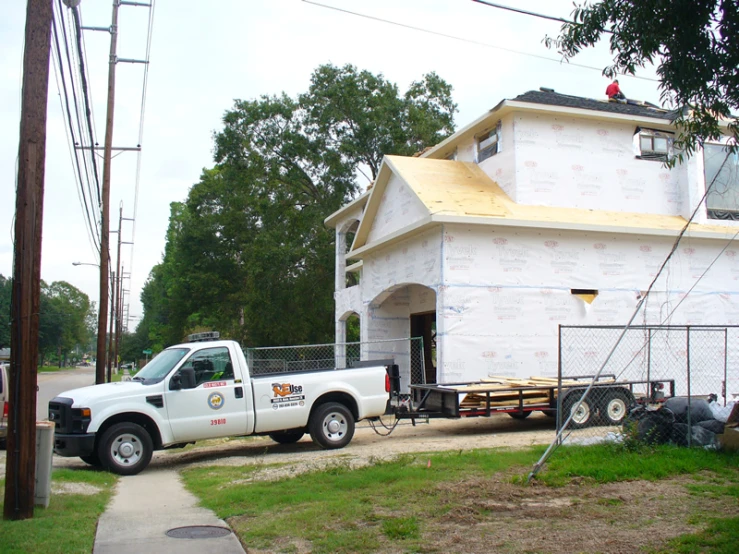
x=423 y=325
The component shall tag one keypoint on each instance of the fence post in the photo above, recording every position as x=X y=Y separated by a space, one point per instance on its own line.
x=690 y=429
x=559 y=380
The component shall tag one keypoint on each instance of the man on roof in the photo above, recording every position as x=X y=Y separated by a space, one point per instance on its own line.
x=613 y=91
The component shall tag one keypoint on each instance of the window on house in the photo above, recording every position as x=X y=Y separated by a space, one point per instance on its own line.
x=488 y=143
x=653 y=145
x=721 y=171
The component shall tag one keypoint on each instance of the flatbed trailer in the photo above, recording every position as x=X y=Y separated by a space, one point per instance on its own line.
x=607 y=404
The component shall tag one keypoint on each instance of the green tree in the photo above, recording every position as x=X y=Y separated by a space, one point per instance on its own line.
x=247 y=253
x=692 y=42
x=63 y=321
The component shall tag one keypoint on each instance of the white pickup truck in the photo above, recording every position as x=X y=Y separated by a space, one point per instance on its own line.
x=203 y=390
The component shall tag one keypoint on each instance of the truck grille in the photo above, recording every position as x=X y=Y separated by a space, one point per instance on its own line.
x=60 y=412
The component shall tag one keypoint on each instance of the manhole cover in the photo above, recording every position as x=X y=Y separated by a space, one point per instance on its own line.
x=198 y=532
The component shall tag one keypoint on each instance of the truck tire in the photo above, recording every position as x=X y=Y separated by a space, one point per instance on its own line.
x=583 y=417
x=615 y=406
x=125 y=449
x=286 y=437
x=332 y=425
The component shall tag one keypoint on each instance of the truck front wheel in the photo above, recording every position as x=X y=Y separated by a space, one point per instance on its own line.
x=125 y=449
x=332 y=425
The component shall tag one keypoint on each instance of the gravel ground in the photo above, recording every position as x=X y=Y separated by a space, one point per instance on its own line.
x=436 y=435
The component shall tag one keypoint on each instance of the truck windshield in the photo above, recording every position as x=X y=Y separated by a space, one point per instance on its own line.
x=157 y=369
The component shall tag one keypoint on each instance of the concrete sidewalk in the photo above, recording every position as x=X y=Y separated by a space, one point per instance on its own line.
x=146 y=506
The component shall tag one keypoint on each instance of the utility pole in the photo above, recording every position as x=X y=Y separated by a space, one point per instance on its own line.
x=25 y=303
x=105 y=208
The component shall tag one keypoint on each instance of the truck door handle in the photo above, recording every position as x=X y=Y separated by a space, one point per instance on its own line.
x=239 y=392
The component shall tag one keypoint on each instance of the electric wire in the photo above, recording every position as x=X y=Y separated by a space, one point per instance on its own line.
x=88 y=110
x=142 y=115
x=66 y=109
x=525 y=12
x=472 y=41
x=80 y=121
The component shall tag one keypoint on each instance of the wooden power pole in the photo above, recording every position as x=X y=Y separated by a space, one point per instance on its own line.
x=105 y=208
x=25 y=303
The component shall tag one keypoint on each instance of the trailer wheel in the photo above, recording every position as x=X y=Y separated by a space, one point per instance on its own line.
x=332 y=426
x=519 y=415
x=616 y=406
x=125 y=449
x=286 y=437
x=583 y=416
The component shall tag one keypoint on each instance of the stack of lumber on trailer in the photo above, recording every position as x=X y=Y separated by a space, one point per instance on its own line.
x=535 y=390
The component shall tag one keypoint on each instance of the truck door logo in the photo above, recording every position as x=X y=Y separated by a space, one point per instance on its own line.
x=216 y=401
x=286 y=389
x=287 y=395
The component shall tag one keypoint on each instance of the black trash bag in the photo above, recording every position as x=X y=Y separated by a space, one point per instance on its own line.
x=679 y=434
x=713 y=425
x=699 y=436
x=650 y=426
x=699 y=409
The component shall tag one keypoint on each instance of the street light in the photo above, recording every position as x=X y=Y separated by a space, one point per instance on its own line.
x=85 y=263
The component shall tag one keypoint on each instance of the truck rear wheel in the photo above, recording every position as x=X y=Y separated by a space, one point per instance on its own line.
x=332 y=425
x=125 y=449
x=286 y=437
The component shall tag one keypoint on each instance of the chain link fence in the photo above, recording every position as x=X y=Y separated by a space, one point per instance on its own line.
x=407 y=354
x=649 y=365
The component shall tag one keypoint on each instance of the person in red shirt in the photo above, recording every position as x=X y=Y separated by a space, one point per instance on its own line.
x=614 y=91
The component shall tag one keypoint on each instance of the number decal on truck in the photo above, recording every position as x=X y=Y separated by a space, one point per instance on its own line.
x=219 y=421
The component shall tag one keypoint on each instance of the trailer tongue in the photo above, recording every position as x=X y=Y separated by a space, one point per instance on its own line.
x=607 y=404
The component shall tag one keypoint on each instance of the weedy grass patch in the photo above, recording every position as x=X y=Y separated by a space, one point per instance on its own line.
x=431 y=502
x=68 y=525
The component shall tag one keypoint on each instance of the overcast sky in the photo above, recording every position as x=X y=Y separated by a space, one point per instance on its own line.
x=206 y=54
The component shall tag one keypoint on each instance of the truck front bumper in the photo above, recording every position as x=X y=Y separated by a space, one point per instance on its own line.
x=74 y=445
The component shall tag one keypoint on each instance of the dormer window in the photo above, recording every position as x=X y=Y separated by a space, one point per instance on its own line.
x=653 y=145
x=488 y=143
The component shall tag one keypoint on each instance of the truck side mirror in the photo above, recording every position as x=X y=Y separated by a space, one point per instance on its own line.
x=187 y=376
x=183 y=379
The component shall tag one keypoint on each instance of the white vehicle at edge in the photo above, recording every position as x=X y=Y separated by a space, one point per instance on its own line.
x=203 y=390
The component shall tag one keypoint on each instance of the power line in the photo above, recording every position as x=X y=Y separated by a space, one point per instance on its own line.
x=525 y=12
x=470 y=41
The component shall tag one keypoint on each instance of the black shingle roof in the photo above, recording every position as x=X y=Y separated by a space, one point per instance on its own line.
x=555 y=99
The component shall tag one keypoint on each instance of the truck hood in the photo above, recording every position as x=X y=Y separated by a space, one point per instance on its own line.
x=83 y=396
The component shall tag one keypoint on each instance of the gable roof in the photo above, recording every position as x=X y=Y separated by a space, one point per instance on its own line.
x=461 y=192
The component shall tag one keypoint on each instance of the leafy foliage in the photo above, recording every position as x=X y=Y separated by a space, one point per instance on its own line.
x=693 y=43
x=66 y=321
x=247 y=253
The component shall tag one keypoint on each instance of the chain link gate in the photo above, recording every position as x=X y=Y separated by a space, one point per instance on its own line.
x=406 y=353
x=650 y=363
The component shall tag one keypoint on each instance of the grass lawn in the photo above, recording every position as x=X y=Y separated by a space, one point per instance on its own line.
x=588 y=499
x=68 y=525
x=50 y=368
